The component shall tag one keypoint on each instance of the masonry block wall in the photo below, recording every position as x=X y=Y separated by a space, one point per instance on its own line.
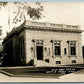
x=47 y=36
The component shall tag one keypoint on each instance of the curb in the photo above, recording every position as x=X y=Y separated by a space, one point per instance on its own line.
x=6 y=73
x=30 y=76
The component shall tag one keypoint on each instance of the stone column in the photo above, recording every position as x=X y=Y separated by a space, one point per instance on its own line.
x=35 y=49
x=43 y=50
x=52 y=48
x=68 y=48
x=35 y=60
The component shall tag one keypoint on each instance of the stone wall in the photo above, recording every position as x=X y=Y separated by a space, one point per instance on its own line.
x=47 y=36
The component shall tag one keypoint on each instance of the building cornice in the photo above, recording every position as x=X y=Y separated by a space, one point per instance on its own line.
x=54 y=29
x=40 y=26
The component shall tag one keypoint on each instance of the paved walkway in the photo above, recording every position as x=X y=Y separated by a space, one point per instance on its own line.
x=73 y=77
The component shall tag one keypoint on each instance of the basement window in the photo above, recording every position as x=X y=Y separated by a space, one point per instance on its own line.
x=58 y=62
x=73 y=61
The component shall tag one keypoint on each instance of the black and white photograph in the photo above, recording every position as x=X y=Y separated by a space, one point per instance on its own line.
x=41 y=41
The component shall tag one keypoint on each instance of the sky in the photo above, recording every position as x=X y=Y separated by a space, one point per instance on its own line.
x=55 y=12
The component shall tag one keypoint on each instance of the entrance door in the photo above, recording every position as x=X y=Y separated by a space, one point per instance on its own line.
x=39 y=52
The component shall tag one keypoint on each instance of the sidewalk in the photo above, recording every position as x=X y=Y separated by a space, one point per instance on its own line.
x=73 y=77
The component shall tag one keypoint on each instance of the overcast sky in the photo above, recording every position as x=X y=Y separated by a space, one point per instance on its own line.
x=55 y=12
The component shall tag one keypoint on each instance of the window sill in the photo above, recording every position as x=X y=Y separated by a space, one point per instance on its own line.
x=72 y=56
x=57 y=56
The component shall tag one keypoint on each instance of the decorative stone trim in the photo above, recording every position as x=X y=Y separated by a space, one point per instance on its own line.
x=54 y=29
x=72 y=56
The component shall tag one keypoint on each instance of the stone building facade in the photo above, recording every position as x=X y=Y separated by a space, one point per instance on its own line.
x=37 y=43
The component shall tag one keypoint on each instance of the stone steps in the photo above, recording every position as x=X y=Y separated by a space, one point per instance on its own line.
x=43 y=63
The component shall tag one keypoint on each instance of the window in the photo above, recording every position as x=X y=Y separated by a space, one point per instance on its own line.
x=58 y=62
x=72 y=48
x=21 y=47
x=73 y=61
x=0 y=32
x=57 y=48
x=65 y=51
x=73 y=51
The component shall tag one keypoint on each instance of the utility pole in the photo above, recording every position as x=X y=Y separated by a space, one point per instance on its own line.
x=8 y=18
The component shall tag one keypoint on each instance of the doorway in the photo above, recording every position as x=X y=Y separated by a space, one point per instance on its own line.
x=39 y=52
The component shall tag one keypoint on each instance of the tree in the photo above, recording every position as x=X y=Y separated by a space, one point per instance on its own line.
x=33 y=12
x=3 y=4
